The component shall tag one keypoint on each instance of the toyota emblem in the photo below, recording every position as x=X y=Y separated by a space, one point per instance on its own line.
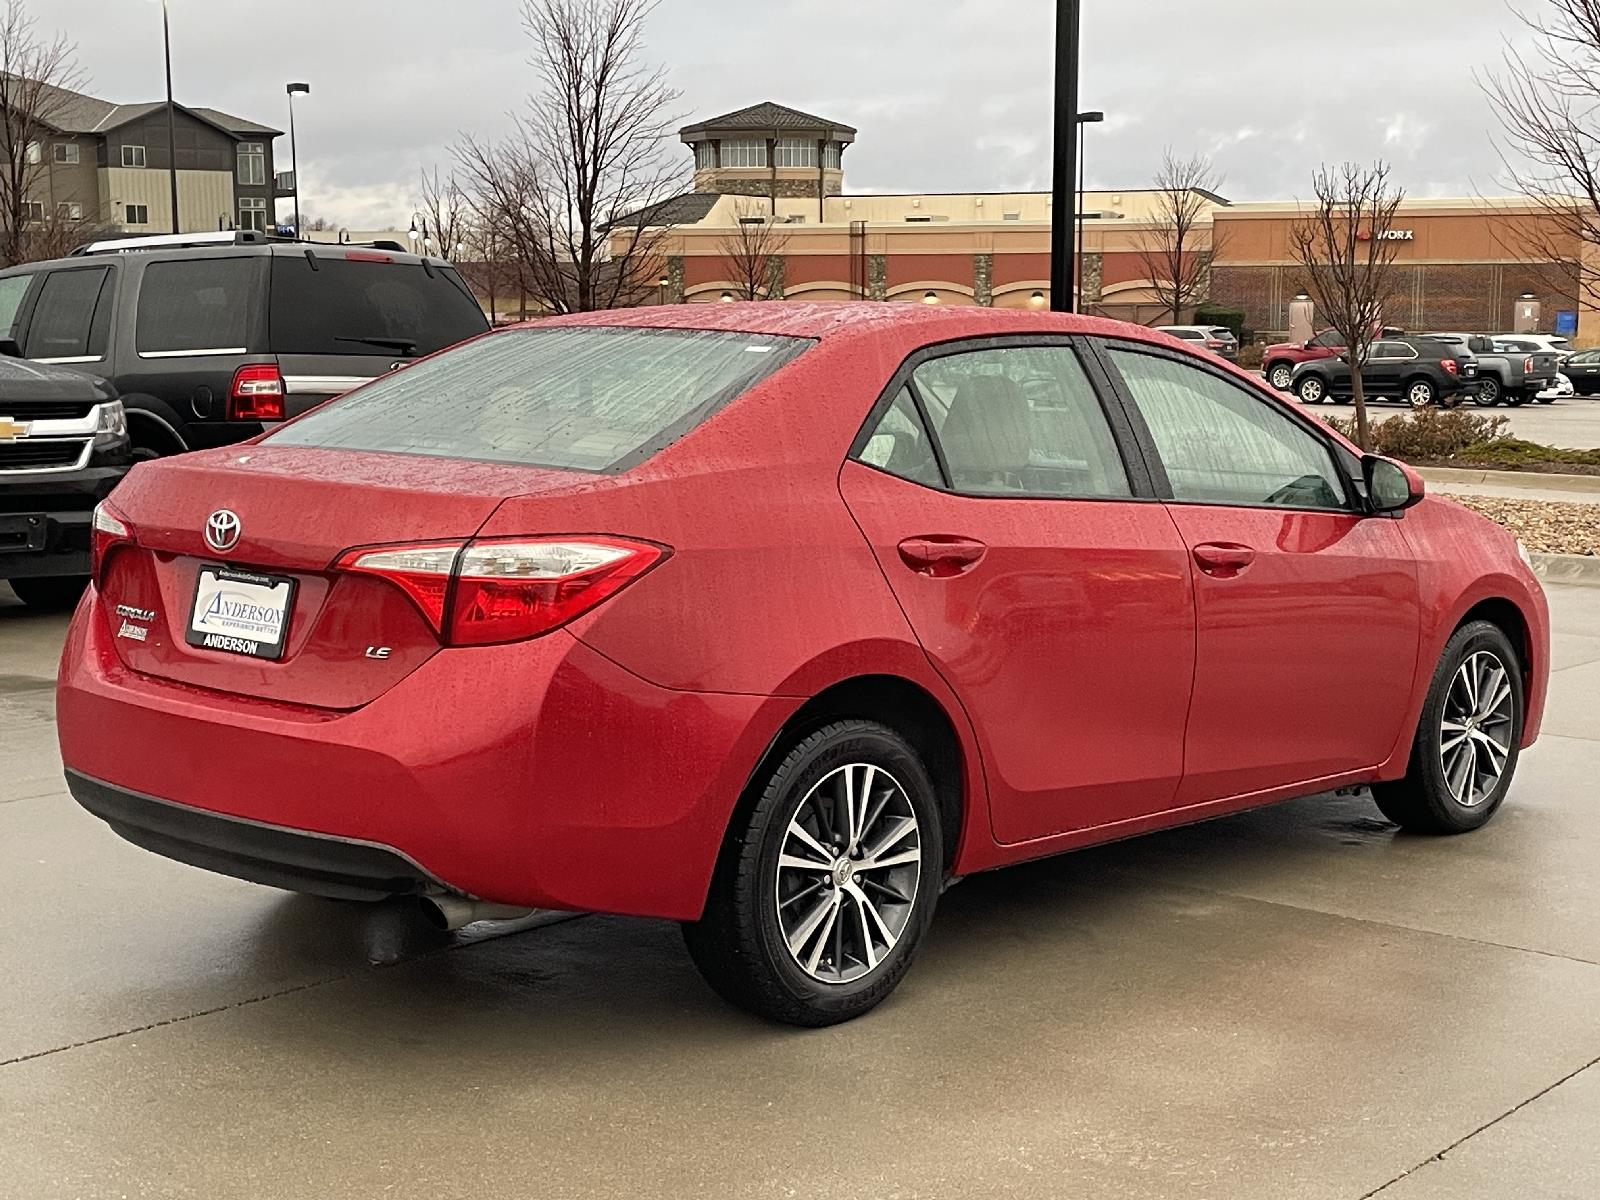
x=222 y=530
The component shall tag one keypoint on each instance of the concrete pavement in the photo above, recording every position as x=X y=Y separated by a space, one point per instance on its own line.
x=1296 y=1002
x=1573 y=423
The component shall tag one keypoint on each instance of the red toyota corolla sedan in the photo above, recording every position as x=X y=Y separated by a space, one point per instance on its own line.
x=774 y=619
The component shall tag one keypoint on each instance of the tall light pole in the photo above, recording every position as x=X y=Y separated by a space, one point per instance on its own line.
x=303 y=89
x=1088 y=118
x=172 y=117
x=1062 y=222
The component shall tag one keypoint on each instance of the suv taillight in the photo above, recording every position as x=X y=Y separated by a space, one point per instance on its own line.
x=107 y=529
x=505 y=589
x=1451 y=366
x=256 y=393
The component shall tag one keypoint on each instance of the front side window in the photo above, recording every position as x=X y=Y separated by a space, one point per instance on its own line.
x=1221 y=444
x=253 y=213
x=12 y=289
x=900 y=445
x=744 y=152
x=1329 y=339
x=133 y=156
x=580 y=399
x=1021 y=420
x=252 y=166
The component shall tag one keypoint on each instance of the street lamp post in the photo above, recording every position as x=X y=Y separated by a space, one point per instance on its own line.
x=292 y=89
x=1062 y=223
x=1088 y=118
x=172 y=118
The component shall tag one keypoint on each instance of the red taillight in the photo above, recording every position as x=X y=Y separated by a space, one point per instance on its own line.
x=107 y=529
x=1450 y=366
x=1527 y=366
x=256 y=393
x=505 y=589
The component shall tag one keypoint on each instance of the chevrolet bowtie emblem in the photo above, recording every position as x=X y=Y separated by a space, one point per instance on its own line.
x=11 y=430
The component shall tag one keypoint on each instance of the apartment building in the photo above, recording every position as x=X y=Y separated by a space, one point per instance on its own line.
x=110 y=165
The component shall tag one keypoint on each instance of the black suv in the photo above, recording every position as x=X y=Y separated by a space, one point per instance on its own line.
x=63 y=447
x=1416 y=370
x=207 y=337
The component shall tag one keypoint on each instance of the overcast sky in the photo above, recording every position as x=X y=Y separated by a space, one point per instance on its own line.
x=948 y=95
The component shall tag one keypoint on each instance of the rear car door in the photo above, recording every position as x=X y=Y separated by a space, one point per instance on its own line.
x=341 y=316
x=1385 y=369
x=1307 y=611
x=1046 y=584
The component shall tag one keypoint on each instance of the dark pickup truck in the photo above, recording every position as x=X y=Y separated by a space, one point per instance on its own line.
x=63 y=447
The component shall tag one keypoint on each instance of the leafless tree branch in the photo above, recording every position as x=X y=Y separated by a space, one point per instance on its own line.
x=37 y=76
x=1171 y=253
x=1348 y=260
x=756 y=239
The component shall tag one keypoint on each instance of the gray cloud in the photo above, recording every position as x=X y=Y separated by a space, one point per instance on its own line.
x=949 y=95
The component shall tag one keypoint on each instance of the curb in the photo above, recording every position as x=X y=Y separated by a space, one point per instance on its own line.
x=1581 y=569
x=1526 y=480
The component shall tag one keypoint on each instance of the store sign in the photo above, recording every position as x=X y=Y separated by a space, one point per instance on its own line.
x=1390 y=235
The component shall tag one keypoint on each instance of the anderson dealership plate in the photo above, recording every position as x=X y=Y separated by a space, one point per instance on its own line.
x=240 y=612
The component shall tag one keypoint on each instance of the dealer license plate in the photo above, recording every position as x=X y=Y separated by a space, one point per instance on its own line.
x=240 y=612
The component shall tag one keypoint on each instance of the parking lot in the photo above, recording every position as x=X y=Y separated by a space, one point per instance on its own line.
x=1573 y=423
x=1293 y=1002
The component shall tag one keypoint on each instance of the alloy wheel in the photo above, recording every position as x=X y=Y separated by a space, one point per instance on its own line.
x=848 y=870
x=1476 y=728
x=1311 y=391
x=1281 y=376
x=1420 y=395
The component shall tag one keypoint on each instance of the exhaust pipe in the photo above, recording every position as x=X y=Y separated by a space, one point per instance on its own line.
x=452 y=912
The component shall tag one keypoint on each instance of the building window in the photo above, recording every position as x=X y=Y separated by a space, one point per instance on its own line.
x=35 y=156
x=66 y=153
x=133 y=156
x=744 y=152
x=252 y=164
x=32 y=210
x=832 y=154
x=135 y=214
x=69 y=210
x=705 y=156
x=253 y=213
x=796 y=152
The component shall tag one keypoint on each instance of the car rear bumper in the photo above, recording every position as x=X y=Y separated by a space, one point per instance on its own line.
x=538 y=774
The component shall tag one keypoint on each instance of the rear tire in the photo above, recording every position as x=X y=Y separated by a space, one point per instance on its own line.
x=1467 y=742
x=820 y=944
x=1420 y=393
x=53 y=593
x=1488 y=392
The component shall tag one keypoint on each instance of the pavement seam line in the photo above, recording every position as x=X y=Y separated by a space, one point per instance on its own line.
x=1439 y=1157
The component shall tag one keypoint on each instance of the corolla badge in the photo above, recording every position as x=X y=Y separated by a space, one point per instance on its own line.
x=222 y=530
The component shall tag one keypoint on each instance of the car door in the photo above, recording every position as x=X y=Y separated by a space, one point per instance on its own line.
x=1386 y=364
x=1047 y=585
x=70 y=318
x=1583 y=369
x=1307 y=611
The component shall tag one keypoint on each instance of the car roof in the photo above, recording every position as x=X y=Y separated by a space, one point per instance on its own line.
x=223 y=249
x=851 y=319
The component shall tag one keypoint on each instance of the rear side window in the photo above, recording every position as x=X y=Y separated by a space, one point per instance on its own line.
x=199 y=305
x=63 y=323
x=583 y=399
x=336 y=306
x=900 y=445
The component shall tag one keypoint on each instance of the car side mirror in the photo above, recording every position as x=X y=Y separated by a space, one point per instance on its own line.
x=1392 y=486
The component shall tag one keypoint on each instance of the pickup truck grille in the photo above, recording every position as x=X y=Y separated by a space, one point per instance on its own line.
x=45 y=410
x=31 y=455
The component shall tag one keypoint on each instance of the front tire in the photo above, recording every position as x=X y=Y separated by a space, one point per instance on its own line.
x=54 y=593
x=1312 y=390
x=1467 y=742
x=825 y=887
x=1280 y=376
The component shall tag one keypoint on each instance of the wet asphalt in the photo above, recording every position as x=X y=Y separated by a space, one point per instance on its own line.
x=1293 y=1003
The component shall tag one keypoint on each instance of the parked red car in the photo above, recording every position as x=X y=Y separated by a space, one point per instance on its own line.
x=1279 y=361
x=775 y=619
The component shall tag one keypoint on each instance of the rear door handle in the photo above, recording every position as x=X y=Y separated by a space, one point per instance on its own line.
x=1223 y=559
x=941 y=555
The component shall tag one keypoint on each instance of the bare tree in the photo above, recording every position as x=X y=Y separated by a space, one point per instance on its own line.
x=577 y=188
x=1343 y=247
x=37 y=79
x=1548 y=101
x=1175 y=254
x=754 y=248
x=445 y=214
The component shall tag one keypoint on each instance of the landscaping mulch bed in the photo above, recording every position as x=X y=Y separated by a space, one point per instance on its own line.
x=1545 y=526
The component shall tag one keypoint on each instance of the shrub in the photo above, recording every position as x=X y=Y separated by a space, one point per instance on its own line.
x=1250 y=357
x=1211 y=314
x=1430 y=433
x=1514 y=452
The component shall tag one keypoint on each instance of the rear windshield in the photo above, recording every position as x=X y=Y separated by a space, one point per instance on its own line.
x=334 y=307
x=584 y=399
